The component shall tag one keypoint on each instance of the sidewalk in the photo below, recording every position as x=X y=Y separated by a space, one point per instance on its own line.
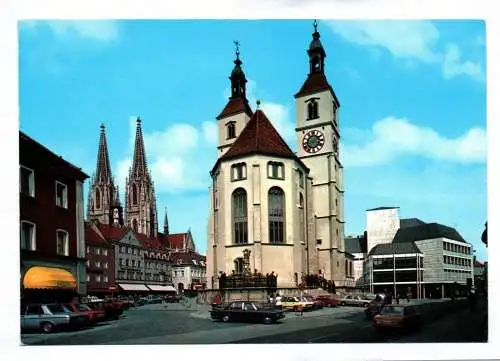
x=463 y=326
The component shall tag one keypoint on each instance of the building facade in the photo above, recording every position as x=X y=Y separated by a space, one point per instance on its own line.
x=188 y=270
x=52 y=236
x=286 y=209
x=441 y=260
x=100 y=262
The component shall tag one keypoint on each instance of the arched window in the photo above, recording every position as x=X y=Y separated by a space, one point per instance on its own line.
x=238 y=265
x=231 y=130
x=346 y=267
x=134 y=224
x=134 y=194
x=97 y=198
x=312 y=109
x=351 y=268
x=276 y=205
x=301 y=218
x=240 y=216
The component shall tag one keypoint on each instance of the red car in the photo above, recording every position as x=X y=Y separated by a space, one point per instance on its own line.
x=96 y=315
x=75 y=310
x=329 y=300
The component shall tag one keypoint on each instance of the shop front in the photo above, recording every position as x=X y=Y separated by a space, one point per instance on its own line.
x=42 y=284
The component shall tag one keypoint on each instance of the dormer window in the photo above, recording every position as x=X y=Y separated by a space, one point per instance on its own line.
x=238 y=171
x=276 y=170
x=231 y=130
x=312 y=109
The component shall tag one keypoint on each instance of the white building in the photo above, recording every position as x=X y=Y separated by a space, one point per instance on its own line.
x=287 y=209
x=188 y=270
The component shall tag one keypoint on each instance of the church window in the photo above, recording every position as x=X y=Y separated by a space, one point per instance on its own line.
x=231 y=130
x=346 y=267
x=312 y=109
x=276 y=205
x=27 y=181
x=301 y=179
x=134 y=224
x=301 y=218
x=134 y=194
x=61 y=195
x=97 y=198
x=238 y=265
x=240 y=216
x=238 y=171
x=276 y=170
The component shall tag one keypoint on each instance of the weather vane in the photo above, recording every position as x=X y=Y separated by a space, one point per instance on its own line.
x=237 y=43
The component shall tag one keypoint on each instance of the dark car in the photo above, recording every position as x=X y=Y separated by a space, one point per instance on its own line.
x=244 y=311
x=375 y=306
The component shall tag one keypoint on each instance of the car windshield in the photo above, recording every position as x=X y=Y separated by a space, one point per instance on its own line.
x=58 y=309
x=391 y=310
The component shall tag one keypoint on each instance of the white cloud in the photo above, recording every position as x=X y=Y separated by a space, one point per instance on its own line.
x=210 y=131
x=408 y=40
x=393 y=137
x=100 y=30
x=453 y=67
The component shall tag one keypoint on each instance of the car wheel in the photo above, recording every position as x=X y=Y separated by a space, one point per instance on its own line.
x=330 y=305
x=225 y=318
x=47 y=327
x=267 y=320
x=342 y=303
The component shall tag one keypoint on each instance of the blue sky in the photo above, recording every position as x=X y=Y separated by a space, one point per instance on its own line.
x=412 y=93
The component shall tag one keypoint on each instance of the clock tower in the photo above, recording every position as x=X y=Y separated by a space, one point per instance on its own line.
x=318 y=137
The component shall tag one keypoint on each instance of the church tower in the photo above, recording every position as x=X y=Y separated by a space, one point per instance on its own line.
x=237 y=112
x=102 y=190
x=318 y=138
x=140 y=199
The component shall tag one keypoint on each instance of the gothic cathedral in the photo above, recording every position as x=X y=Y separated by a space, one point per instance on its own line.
x=104 y=204
x=281 y=210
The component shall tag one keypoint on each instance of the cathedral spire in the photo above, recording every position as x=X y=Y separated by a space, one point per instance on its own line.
x=139 y=165
x=238 y=79
x=103 y=169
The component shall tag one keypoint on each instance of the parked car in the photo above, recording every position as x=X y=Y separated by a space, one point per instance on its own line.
x=112 y=309
x=244 y=311
x=329 y=300
x=397 y=318
x=295 y=304
x=75 y=310
x=48 y=317
x=172 y=298
x=95 y=315
x=315 y=304
x=358 y=301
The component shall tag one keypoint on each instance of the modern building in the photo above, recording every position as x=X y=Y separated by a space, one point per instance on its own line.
x=100 y=262
x=287 y=209
x=52 y=235
x=428 y=259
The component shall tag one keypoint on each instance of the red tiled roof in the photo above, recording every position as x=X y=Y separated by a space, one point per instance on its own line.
x=176 y=240
x=478 y=264
x=259 y=136
x=235 y=105
x=187 y=257
x=111 y=232
x=314 y=82
x=92 y=237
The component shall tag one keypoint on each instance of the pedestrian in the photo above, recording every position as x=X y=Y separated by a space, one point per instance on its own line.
x=397 y=297
x=408 y=296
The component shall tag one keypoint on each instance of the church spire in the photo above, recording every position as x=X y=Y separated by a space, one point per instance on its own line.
x=139 y=165
x=238 y=79
x=165 y=223
x=103 y=175
x=316 y=52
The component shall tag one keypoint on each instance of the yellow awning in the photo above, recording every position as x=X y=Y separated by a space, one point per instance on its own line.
x=48 y=277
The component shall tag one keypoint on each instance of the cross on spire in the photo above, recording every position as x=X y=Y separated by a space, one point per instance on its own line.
x=237 y=44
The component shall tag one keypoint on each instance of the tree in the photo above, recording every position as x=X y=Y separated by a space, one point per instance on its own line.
x=484 y=236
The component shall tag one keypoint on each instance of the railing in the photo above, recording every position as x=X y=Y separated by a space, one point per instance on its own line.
x=250 y=281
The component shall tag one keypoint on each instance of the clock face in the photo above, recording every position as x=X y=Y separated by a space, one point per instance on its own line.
x=313 y=141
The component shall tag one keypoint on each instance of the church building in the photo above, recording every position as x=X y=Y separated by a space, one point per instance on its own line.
x=285 y=208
